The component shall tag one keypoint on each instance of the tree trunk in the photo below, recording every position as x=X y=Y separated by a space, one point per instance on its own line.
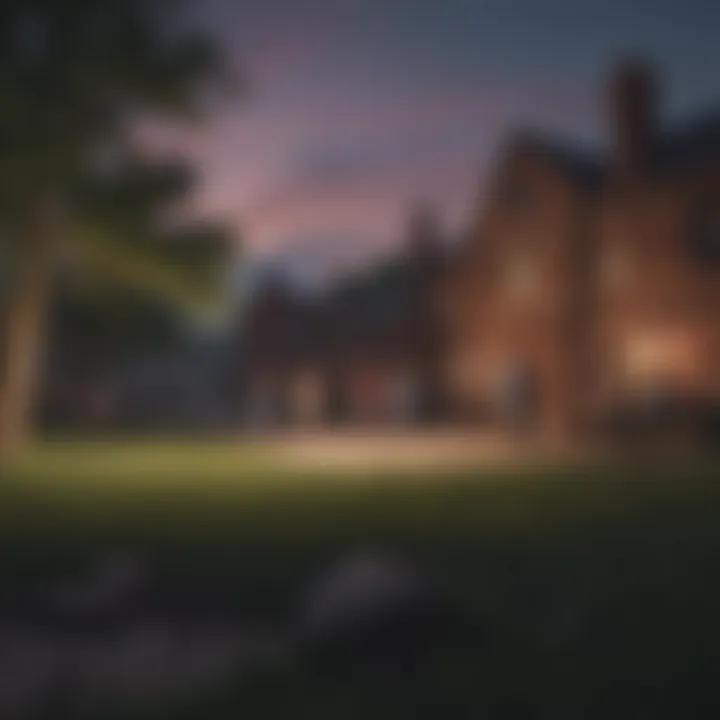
x=22 y=347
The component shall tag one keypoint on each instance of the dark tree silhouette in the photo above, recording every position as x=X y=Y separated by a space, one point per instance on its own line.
x=76 y=77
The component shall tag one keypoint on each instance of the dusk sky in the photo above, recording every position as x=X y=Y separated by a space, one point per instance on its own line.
x=358 y=107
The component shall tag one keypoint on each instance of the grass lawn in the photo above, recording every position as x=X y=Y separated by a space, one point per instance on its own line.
x=598 y=586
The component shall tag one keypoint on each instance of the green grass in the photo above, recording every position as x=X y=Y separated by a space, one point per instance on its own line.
x=629 y=551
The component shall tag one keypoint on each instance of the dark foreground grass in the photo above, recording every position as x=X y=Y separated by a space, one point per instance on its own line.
x=598 y=588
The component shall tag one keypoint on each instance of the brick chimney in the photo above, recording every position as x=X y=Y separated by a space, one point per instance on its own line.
x=634 y=109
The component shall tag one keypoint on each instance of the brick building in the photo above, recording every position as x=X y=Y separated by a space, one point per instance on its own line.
x=586 y=299
x=590 y=291
x=368 y=350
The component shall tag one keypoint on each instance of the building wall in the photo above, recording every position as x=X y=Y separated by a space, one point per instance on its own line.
x=599 y=295
x=658 y=320
x=515 y=308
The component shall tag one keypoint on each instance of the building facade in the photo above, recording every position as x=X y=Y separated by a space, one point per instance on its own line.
x=585 y=303
x=367 y=351
x=590 y=292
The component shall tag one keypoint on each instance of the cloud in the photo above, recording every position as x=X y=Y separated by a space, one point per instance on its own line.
x=354 y=115
x=358 y=169
x=348 y=163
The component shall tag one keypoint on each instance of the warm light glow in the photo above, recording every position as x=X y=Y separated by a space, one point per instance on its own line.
x=616 y=269
x=522 y=279
x=670 y=354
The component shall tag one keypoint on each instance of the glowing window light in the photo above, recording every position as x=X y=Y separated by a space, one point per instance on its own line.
x=616 y=269
x=670 y=354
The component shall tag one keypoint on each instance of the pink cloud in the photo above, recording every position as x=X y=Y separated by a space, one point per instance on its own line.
x=374 y=195
x=433 y=142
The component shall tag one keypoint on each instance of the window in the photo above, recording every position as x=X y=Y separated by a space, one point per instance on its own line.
x=522 y=278
x=513 y=390
x=616 y=268
x=652 y=355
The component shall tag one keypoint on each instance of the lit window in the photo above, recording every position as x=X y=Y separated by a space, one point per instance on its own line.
x=522 y=278
x=662 y=354
x=616 y=269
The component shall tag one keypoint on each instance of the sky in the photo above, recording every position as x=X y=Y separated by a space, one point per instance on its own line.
x=354 y=109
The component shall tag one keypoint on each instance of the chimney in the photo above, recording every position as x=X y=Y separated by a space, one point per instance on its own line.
x=634 y=100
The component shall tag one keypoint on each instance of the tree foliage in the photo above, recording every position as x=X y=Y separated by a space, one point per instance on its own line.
x=76 y=194
x=75 y=79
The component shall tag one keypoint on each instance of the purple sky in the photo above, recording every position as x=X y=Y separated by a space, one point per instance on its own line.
x=358 y=107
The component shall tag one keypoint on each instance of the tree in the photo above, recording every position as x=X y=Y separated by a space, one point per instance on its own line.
x=110 y=327
x=76 y=77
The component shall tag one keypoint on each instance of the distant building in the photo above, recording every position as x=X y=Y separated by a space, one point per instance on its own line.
x=368 y=350
x=589 y=295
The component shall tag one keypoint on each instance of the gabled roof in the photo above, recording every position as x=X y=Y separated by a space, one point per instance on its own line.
x=375 y=298
x=365 y=315
x=679 y=148
x=581 y=165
